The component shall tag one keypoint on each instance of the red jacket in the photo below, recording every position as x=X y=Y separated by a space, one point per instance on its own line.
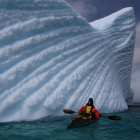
x=97 y=115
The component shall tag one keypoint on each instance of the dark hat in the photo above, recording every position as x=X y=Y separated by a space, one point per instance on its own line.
x=90 y=101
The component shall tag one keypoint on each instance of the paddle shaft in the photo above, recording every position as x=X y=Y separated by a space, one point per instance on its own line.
x=67 y=111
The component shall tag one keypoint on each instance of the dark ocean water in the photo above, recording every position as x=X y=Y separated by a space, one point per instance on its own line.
x=55 y=128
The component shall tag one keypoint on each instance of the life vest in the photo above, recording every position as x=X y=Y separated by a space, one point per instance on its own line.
x=88 y=110
x=86 y=114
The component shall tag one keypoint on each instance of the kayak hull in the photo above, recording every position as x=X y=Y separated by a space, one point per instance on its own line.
x=80 y=123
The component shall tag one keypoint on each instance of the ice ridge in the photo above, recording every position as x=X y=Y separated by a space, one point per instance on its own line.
x=51 y=58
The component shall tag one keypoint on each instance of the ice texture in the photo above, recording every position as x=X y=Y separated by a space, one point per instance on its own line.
x=51 y=58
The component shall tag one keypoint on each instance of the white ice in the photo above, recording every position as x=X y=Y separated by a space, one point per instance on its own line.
x=51 y=58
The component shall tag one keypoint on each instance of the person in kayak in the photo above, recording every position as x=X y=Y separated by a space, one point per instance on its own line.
x=89 y=109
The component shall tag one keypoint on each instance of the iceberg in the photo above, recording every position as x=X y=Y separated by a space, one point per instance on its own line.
x=51 y=58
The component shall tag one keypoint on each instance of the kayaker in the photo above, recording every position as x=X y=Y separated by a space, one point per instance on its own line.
x=90 y=109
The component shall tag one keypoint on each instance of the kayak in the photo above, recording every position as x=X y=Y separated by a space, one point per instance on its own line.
x=84 y=119
x=79 y=122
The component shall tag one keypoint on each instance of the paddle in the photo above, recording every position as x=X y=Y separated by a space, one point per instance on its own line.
x=67 y=111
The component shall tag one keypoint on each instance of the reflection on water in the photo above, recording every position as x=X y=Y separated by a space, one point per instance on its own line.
x=91 y=131
x=87 y=132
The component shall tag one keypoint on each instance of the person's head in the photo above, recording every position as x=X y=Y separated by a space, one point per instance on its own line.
x=90 y=101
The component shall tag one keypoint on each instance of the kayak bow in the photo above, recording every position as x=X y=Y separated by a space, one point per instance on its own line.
x=78 y=122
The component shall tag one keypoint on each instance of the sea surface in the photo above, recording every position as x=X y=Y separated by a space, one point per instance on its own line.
x=55 y=128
